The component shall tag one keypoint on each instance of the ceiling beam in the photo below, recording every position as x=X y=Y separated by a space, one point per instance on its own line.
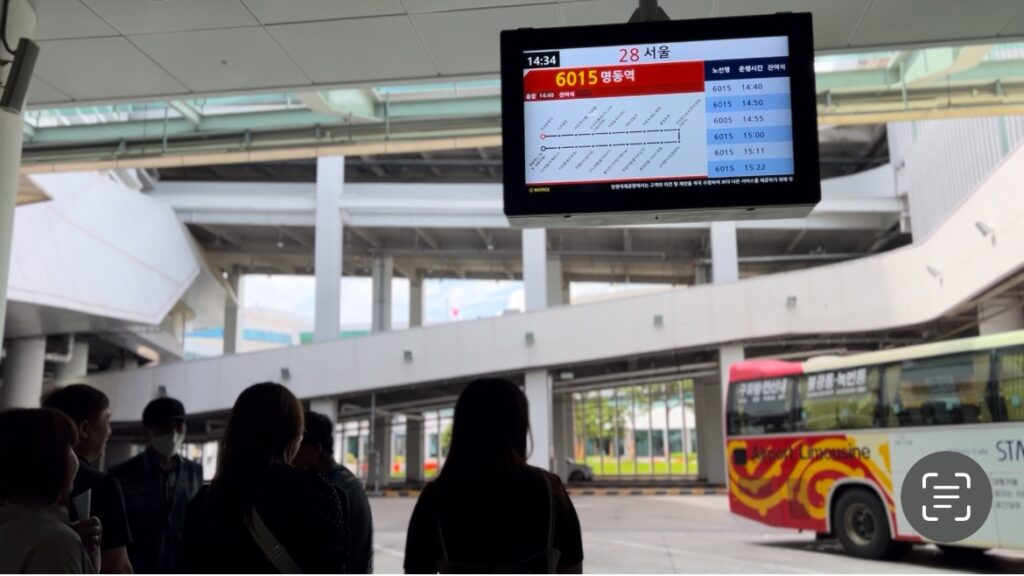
x=366 y=237
x=190 y=114
x=433 y=243
x=295 y=237
x=374 y=167
x=796 y=241
x=487 y=238
x=222 y=234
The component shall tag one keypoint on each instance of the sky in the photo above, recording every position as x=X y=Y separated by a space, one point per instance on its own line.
x=444 y=300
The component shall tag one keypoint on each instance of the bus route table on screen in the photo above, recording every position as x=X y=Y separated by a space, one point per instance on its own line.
x=665 y=114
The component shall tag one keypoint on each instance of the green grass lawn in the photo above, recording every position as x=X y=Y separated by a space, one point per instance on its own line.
x=643 y=466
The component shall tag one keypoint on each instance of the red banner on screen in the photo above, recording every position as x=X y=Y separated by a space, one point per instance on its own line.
x=613 y=81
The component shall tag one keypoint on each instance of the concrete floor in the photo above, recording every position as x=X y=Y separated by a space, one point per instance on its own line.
x=669 y=534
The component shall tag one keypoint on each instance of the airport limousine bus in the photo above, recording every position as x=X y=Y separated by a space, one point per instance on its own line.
x=824 y=445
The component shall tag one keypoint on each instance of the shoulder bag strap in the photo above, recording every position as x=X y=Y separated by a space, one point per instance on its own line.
x=552 y=554
x=269 y=544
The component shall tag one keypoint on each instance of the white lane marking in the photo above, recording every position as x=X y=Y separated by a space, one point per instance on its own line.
x=702 y=555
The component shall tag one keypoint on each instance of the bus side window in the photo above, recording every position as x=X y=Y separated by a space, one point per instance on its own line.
x=1010 y=384
x=937 y=391
x=839 y=400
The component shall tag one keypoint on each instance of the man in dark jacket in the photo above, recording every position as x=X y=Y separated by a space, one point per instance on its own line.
x=158 y=485
x=95 y=493
x=317 y=453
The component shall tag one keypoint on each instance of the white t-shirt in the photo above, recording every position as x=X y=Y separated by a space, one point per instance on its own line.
x=37 y=539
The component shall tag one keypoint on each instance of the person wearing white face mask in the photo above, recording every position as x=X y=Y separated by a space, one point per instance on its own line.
x=158 y=485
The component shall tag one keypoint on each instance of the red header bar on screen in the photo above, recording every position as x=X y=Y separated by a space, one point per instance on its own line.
x=613 y=81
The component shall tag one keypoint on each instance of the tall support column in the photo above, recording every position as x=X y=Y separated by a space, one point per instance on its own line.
x=709 y=395
x=383 y=272
x=414 y=448
x=77 y=367
x=538 y=382
x=416 y=300
x=535 y=268
x=21 y=22
x=538 y=395
x=330 y=184
x=1004 y=314
x=23 y=373
x=380 y=464
x=561 y=428
x=556 y=282
x=724 y=253
x=233 y=313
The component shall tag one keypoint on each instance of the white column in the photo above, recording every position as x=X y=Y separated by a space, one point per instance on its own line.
x=414 y=448
x=724 y=255
x=538 y=394
x=535 y=268
x=330 y=184
x=233 y=312
x=380 y=463
x=555 y=282
x=77 y=367
x=561 y=427
x=1004 y=314
x=21 y=22
x=23 y=373
x=416 y=300
x=538 y=384
x=383 y=272
x=709 y=395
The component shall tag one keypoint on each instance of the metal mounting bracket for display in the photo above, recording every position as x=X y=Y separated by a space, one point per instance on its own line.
x=649 y=11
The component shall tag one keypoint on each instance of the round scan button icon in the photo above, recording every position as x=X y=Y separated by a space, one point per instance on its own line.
x=946 y=496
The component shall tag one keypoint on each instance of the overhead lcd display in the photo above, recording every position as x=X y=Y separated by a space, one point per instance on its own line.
x=663 y=121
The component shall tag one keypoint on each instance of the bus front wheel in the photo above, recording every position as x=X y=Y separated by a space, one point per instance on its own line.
x=862 y=526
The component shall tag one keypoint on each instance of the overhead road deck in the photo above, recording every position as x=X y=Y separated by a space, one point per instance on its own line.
x=904 y=287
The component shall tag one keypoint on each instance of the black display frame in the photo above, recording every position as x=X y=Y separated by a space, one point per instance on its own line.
x=597 y=204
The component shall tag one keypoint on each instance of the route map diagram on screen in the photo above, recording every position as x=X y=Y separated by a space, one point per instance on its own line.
x=664 y=115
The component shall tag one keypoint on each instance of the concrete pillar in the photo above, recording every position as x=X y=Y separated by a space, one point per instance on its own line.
x=709 y=395
x=77 y=367
x=538 y=394
x=233 y=312
x=330 y=184
x=1004 y=314
x=724 y=255
x=556 y=282
x=535 y=268
x=414 y=448
x=416 y=300
x=23 y=373
x=380 y=460
x=561 y=427
x=709 y=402
x=383 y=273
x=21 y=22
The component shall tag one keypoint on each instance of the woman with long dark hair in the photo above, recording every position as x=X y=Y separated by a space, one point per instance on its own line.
x=261 y=515
x=489 y=511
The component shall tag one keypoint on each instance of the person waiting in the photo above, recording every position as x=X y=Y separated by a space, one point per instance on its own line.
x=317 y=453
x=488 y=511
x=158 y=485
x=40 y=464
x=261 y=514
x=95 y=493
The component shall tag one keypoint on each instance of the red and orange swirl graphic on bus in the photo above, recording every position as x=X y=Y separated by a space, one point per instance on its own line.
x=786 y=481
